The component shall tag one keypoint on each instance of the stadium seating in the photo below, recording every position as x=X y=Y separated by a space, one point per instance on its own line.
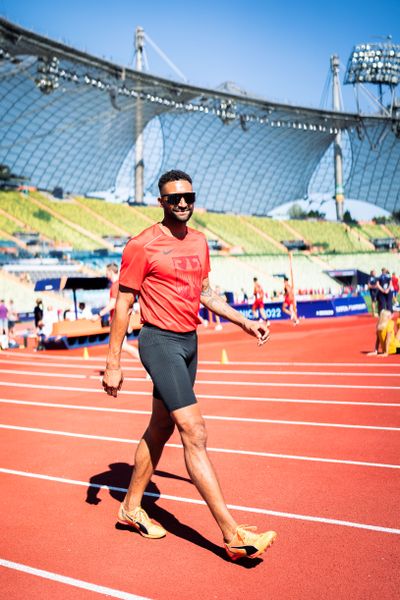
x=394 y=230
x=234 y=273
x=328 y=237
x=272 y=227
x=23 y=295
x=73 y=212
x=372 y=231
x=43 y=222
x=365 y=261
x=235 y=232
x=127 y=219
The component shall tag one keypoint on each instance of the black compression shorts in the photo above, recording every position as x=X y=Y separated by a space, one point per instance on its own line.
x=170 y=358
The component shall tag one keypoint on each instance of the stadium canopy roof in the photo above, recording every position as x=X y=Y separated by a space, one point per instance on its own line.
x=68 y=119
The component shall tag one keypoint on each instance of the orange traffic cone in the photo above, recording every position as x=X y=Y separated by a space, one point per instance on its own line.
x=224 y=358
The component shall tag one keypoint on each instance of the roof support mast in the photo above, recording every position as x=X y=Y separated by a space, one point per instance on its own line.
x=140 y=37
x=337 y=147
x=139 y=163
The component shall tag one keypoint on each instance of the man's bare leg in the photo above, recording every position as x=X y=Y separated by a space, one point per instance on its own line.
x=148 y=453
x=194 y=437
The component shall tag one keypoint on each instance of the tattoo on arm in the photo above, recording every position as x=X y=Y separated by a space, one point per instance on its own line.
x=207 y=292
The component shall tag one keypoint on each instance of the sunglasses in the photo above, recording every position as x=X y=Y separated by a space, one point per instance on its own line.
x=174 y=199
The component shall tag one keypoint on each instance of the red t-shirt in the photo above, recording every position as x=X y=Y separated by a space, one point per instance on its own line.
x=395 y=283
x=258 y=292
x=168 y=273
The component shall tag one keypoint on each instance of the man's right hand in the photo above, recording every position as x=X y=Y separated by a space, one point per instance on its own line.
x=112 y=381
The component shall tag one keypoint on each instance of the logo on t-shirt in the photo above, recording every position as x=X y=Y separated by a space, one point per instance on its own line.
x=188 y=274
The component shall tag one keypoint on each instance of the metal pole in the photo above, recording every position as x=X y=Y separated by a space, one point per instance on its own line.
x=139 y=164
x=292 y=283
x=337 y=152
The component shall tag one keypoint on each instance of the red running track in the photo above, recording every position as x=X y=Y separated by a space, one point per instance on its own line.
x=304 y=434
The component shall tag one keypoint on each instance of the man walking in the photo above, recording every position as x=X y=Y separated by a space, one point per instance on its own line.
x=258 y=304
x=167 y=265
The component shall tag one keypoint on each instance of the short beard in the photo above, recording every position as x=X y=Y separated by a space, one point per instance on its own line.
x=182 y=218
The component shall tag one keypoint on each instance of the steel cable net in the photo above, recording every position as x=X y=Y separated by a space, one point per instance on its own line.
x=70 y=120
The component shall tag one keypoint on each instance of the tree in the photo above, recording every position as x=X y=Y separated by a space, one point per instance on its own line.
x=348 y=219
x=9 y=179
x=296 y=212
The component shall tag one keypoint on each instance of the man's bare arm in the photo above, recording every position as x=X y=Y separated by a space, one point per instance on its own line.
x=113 y=378
x=218 y=306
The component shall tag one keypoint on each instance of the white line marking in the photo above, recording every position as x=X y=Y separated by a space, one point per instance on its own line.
x=211 y=382
x=218 y=371
x=45 y=374
x=206 y=396
x=222 y=450
x=85 y=585
x=263 y=511
x=213 y=362
x=210 y=417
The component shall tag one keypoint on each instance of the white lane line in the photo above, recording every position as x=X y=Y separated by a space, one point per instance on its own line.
x=211 y=382
x=45 y=374
x=206 y=396
x=85 y=585
x=276 y=384
x=263 y=511
x=212 y=362
x=221 y=450
x=209 y=417
x=223 y=371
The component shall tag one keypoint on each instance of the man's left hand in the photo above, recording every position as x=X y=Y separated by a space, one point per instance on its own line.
x=259 y=329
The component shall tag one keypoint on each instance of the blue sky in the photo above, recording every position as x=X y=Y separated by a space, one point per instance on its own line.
x=278 y=50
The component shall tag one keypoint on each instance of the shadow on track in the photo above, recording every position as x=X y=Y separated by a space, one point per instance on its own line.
x=117 y=480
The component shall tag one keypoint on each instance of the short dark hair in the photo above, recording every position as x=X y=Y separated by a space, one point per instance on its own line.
x=174 y=175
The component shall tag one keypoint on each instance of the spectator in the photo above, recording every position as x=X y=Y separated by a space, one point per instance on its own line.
x=385 y=293
x=45 y=326
x=12 y=318
x=113 y=277
x=38 y=312
x=211 y=315
x=386 y=340
x=50 y=316
x=242 y=297
x=84 y=311
x=395 y=286
x=373 y=291
x=3 y=319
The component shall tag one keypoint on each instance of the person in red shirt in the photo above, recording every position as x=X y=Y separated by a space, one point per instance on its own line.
x=112 y=276
x=167 y=265
x=258 y=304
x=288 y=306
x=395 y=285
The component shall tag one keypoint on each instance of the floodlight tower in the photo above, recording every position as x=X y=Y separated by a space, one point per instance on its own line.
x=337 y=146
x=377 y=64
x=139 y=163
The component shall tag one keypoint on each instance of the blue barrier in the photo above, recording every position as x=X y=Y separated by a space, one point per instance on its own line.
x=309 y=309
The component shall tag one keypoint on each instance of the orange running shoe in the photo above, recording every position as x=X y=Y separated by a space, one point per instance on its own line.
x=247 y=543
x=139 y=519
